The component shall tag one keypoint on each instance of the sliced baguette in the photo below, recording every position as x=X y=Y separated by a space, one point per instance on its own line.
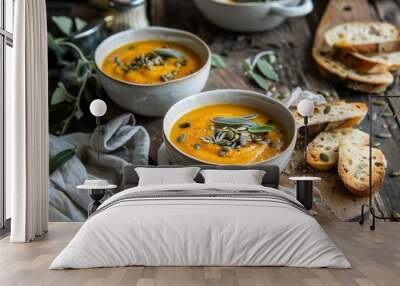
x=353 y=168
x=340 y=114
x=378 y=63
x=363 y=37
x=323 y=151
x=339 y=72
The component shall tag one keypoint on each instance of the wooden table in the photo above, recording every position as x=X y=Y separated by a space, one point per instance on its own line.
x=292 y=41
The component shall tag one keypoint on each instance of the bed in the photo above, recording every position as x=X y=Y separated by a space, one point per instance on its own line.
x=201 y=224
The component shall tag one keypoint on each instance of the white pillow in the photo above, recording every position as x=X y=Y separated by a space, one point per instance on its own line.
x=247 y=177
x=166 y=176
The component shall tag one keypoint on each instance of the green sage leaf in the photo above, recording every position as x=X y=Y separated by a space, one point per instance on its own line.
x=217 y=61
x=260 y=129
x=261 y=82
x=267 y=70
x=63 y=23
x=60 y=159
x=169 y=53
x=232 y=121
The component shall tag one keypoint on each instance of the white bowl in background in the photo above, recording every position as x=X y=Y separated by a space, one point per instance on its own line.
x=252 y=99
x=153 y=99
x=252 y=16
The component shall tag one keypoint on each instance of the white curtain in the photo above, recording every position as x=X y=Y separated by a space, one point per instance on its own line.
x=27 y=123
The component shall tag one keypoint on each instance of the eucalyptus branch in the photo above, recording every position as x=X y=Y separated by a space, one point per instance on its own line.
x=73 y=46
x=76 y=106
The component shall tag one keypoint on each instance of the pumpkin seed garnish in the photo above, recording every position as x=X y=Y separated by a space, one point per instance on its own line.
x=384 y=135
x=181 y=138
x=379 y=102
x=325 y=93
x=394 y=174
x=197 y=147
x=327 y=109
x=376 y=144
x=324 y=157
x=184 y=125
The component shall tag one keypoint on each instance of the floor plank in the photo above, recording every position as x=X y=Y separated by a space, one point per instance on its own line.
x=375 y=257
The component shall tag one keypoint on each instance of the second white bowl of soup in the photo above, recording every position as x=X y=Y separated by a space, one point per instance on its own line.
x=229 y=127
x=147 y=70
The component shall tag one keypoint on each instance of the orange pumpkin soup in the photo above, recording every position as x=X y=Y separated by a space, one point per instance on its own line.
x=228 y=134
x=151 y=62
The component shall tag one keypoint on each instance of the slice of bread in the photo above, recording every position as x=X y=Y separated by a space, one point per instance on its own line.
x=378 y=63
x=336 y=114
x=323 y=151
x=363 y=37
x=353 y=168
x=339 y=72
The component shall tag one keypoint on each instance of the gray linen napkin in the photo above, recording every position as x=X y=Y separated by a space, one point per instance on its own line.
x=121 y=144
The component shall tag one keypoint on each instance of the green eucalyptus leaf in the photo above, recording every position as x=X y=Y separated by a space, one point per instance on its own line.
x=261 y=81
x=60 y=159
x=267 y=70
x=58 y=96
x=217 y=61
x=63 y=23
x=169 y=53
x=79 y=23
x=78 y=114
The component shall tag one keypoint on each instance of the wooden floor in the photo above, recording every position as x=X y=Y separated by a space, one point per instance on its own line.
x=375 y=257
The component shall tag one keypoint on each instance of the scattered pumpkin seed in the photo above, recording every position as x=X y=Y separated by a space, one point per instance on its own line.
x=327 y=109
x=324 y=157
x=394 y=174
x=221 y=153
x=379 y=102
x=197 y=147
x=184 y=125
x=181 y=138
x=384 y=135
x=387 y=114
x=376 y=144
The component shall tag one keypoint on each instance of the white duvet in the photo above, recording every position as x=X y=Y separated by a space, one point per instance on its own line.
x=204 y=231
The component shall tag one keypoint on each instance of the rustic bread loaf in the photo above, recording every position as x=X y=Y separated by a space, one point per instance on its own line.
x=340 y=73
x=353 y=168
x=323 y=151
x=377 y=63
x=335 y=114
x=363 y=37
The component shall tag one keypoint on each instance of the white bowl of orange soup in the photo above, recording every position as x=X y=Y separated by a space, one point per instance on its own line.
x=147 y=70
x=229 y=127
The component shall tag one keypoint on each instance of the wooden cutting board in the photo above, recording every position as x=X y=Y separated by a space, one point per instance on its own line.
x=339 y=12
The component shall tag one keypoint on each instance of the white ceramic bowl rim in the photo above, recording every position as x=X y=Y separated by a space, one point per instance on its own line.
x=248 y=4
x=249 y=92
x=161 y=29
